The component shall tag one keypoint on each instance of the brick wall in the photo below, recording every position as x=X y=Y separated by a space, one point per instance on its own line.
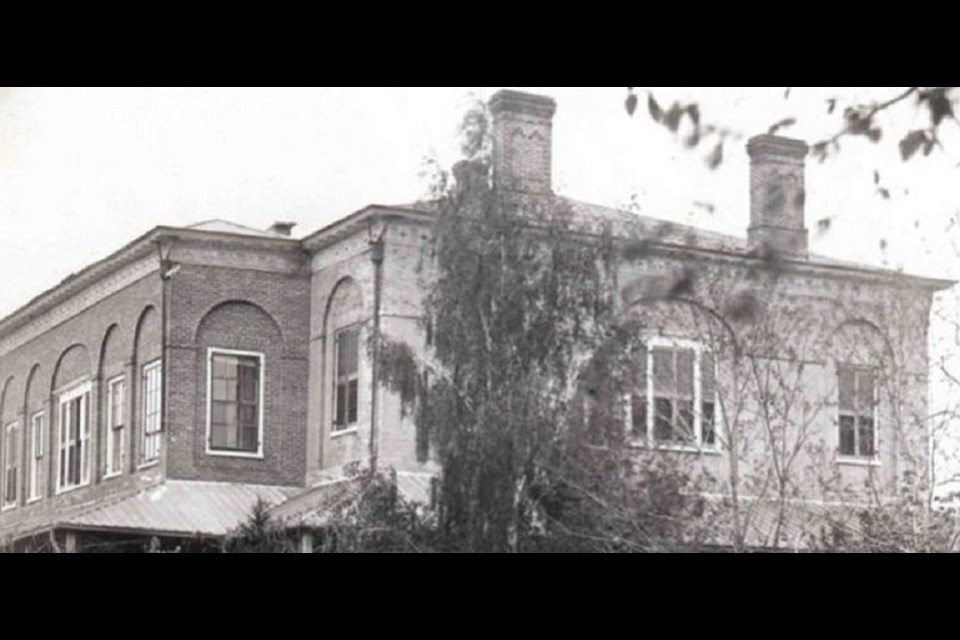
x=90 y=346
x=262 y=306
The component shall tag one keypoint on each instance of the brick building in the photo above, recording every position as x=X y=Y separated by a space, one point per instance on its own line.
x=163 y=389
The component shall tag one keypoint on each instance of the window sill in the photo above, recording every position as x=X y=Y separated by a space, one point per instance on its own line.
x=250 y=455
x=148 y=465
x=34 y=500
x=8 y=507
x=63 y=490
x=858 y=462
x=708 y=451
x=112 y=475
x=344 y=432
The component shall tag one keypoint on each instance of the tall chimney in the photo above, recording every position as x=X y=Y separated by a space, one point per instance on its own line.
x=522 y=136
x=777 y=195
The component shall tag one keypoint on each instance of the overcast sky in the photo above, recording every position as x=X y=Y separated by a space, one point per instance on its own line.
x=84 y=171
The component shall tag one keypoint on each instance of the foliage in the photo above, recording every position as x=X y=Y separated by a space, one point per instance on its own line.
x=521 y=309
x=855 y=120
x=259 y=533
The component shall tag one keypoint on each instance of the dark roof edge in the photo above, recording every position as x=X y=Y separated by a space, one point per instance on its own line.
x=323 y=237
x=133 y=250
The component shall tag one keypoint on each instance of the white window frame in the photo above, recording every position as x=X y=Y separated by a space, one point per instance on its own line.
x=856 y=458
x=211 y=351
x=11 y=428
x=349 y=427
x=37 y=454
x=145 y=436
x=698 y=446
x=110 y=427
x=63 y=399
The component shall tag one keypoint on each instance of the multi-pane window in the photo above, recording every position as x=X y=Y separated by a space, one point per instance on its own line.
x=346 y=389
x=116 y=423
x=36 y=456
x=857 y=411
x=10 y=464
x=675 y=397
x=236 y=400
x=73 y=464
x=151 y=404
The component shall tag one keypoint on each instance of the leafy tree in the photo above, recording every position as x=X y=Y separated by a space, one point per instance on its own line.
x=522 y=316
x=259 y=533
x=854 y=120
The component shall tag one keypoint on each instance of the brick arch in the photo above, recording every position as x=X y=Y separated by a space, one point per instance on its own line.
x=35 y=393
x=147 y=334
x=344 y=305
x=235 y=314
x=8 y=401
x=73 y=364
x=860 y=341
x=111 y=351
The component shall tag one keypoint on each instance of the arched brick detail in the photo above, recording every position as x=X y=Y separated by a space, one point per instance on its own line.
x=247 y=324
x=147 y=342
x=8 y=401
x=72 y=365
x=35 y=394
x=344 y=306
x=112 y=354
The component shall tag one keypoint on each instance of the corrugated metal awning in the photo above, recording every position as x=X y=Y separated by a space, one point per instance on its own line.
x=181 y=507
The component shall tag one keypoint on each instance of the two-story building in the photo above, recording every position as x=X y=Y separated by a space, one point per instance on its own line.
x=163 y=390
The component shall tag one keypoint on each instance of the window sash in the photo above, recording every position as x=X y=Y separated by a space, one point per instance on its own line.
x=151 y=412
x=675 y=402
x=36 y=456
x=346 y=391
x=116 y=421
x=73 y=468
x=235 y=412
x=858 y=408
x=10 y=467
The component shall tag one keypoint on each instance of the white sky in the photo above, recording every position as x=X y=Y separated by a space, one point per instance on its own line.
x=84 y=171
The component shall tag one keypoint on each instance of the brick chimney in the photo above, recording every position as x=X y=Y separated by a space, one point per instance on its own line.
x=522 y=136
x=282 y=228
x=777 y=196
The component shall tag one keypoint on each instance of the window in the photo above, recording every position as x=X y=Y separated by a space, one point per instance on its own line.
x=857 y=411
x=36 y=456
x=10 y=465
x=116 y=421
x=346 y=390
x=235 y=410
x=675 y=399
x=73 y=468
x=151 y=413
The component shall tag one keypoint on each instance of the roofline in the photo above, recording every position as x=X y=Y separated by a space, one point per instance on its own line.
x=333 y=231
x=136 y=248
x=865 y=272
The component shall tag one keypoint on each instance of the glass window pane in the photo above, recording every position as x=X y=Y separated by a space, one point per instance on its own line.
x=249 y=379
x=638 y=410
x=685 y=373
x=248 y=439
x=707 y=423
x=708 y=382
x=348 y=352
x=847 y=437
x=663 y=419
x=663 y=373
x=865 y=392
x=865 y=437
x=352 y=402
x=684 y=424
x=340 y=414
x=847 y=384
